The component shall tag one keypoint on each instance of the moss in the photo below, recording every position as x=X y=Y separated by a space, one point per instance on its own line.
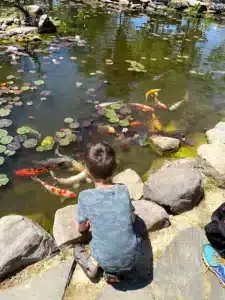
x=170 y=127
x=191 y=151
x=42 y=220
x=156 y=164
x=211 y=185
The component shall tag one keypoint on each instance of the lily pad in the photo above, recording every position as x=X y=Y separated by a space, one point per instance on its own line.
x=29 y=103
x=125 y=110
x=67 y=131
x=68 y=120
x=40 y=149
x=2 y=148
x=60 y=134
x=6 y=140
x=13 y=146
x=3 y=133
x=25 y=88
x=39 y=82
x=86 y=124
x=71 y=137
x=3 y=179
x=4 y=112
x=23 y=130
x=74 y=125
x=64 y=142
x=5 y=123
x=10 y=77
x=30 y=143
x=114 y=120
x=124 y=123
x=116 y=106
x=110 y=113
x=9 y=153
x=2 y=160
x=20 y=138
x=46 y=93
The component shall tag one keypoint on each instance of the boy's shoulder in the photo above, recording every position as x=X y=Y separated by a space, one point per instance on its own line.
x=94 y=191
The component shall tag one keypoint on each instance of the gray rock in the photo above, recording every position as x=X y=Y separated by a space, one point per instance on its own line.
x=217 y=291
x=179 y=271
x=179 y=4
x=177 y=185
x=216 y=7
x=154 y=216
x=22 y=242
x=35 y=10
x=150 y=10
x=124 y=2
x=45 y=25
x=48 y=285
x=23 y=30
x=216 y=134
x=64 y=229
x=133 y=182
x=136 y=6
x=211 y=161
x=164 y=143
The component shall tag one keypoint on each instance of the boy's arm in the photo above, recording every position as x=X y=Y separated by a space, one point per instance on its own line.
x=83 y=223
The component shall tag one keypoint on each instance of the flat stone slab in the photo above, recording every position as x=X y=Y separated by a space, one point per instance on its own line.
x=164 y=143
x=216 y=291
x=216 y=134
x=49 y=285
x=64 y=229
x=133 y=182
x=179 y=271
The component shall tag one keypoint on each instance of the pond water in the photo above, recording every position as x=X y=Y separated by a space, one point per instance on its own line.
x=184 y=57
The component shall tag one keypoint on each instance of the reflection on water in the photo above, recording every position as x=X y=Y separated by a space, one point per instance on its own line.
x=183 y=57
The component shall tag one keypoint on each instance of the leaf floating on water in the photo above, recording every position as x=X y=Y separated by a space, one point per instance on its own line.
x=5 y=123
x=2 y=160
x=68 y=120
x=18 y=103
x=20 y=138
x=116 y=106
x=29 y=103
x=2 y=148
x=4 y=112
x=25 y=88
x=71 y=137
x=125 y=110
x=73 y=57
x=3 y=133
x=86 y=124
x=10 y=77
x=39 y=82
x=74 y=125
x=67 y=131
x=114 y=120
x=13 y=146
x=23 y=130
x=92 y=73
x=40 y=149
x=46 y=93
x=124 y=123
x=9 y=153
x=64 y=142
x=43 y=98
x=60 y=134
x=30 y=143
x=6 y=140
x=3 y=179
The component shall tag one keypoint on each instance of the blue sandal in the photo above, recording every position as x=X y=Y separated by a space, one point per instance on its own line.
x=214 y=262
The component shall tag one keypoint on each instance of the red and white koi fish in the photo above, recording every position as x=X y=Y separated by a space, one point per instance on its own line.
x=65 y=194
x=159 y=103
x=142 y=107
x=32 y=172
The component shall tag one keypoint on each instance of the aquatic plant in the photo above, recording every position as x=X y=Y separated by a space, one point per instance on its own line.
x=6 y=140
x=68 y=120
x=3 y=179
x=5 y=123
x=23 y=130
x=2 y=160
x=30 y=143
x=4 y=112
x=14 y=146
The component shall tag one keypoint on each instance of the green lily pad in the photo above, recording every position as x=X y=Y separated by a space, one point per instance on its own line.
x=6 y=140
x=5 y=123
x=110 y=113
x=124 y=123
x=48 y=140
x=3 y=179
x=4 y=112
x=74 y=125
x=20 y=138
x=116 y=106
x=23 y=130
x=114 y=120
x=60 y=134
x=68 y=120
x=2 y=160
x=39 y=82
x=9 y=153
x=2 y=148
x=64 y=142
x=13 y=146
x=30 y=143
x=3 y=133
x=25 y=88
x=67 y=131
x=40 y=149
x=71 y=137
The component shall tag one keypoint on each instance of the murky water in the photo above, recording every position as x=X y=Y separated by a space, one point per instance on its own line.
x=183 y=57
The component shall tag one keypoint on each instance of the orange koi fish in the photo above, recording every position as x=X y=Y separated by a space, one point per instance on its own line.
x=65 y=194
x=151 y=92
x=31 y=172
x=136 y=124
x=159 y=103
x=142 y=107
x=155 y=124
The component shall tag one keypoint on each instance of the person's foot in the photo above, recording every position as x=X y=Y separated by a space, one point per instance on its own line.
x=111 y=278
x=214 y=262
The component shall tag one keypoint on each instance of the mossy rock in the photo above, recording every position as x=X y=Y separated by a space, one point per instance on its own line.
x=191 y=151
x=156 y=164
x=42 y=220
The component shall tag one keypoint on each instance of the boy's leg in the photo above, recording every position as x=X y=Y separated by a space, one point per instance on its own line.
x=86 y=261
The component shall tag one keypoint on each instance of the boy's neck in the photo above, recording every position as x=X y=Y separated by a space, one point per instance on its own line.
x=102 y=184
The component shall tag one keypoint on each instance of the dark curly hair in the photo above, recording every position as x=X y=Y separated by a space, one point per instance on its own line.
x=100 y=160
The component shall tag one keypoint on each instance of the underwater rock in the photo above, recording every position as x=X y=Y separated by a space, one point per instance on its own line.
x=216 y=134
x=211 y=161
x=64 y=229
x=164 y=143
x=177 y=186
x=22 y=242
x=154 y=216
x=133 y=182
x=45 y=25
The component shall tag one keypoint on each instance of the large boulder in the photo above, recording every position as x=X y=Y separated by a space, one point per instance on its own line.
x=211 y=160
x=133 y=182
x=216 y=134
x=64 y=229
x=176 y=185
x=164 y=143
x=45 y=25
x=22 y=242
x=179 y=4
x=35 y=10
x=154 y=216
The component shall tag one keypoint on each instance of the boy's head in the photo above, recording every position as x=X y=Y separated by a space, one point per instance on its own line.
x=100 y=160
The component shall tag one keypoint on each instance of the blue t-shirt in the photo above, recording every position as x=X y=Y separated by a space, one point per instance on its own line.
x=114 y=243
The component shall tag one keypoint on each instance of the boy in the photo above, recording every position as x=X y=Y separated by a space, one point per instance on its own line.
x=114 y=247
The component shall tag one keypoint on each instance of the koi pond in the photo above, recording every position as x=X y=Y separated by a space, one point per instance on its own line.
x=55 y=89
